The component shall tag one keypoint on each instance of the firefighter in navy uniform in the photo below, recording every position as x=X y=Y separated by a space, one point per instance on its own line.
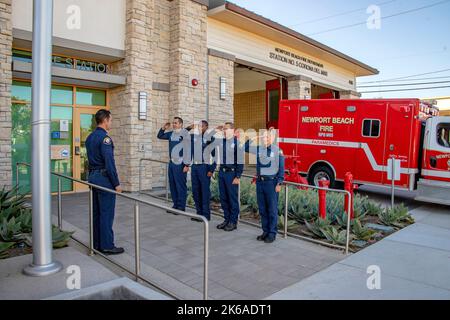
x=102 y=172
x=270 y=177
x=202 y=167
x=230 y=172
x=177 y=169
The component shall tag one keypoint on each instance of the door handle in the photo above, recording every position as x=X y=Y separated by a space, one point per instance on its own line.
x=433 y=162
x=77 y=151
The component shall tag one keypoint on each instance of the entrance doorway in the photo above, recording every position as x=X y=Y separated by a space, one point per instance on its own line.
x=84 y=125
x=276 y=90
x=72 y=119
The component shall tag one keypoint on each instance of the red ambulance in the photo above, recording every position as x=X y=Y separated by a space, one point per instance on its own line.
x=328 y=138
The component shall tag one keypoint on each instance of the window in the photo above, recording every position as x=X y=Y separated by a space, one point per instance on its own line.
x=371 y=128
x=274 y=104
x=91 y=97
x=443 y=135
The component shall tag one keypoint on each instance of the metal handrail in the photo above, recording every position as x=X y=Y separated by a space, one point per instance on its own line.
x=286 y=184
x=137 y=201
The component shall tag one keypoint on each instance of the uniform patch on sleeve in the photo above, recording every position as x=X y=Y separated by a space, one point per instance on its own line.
x=107 y=141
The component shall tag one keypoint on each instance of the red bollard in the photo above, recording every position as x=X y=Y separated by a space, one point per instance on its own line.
x=324 y=183
x=350 y=187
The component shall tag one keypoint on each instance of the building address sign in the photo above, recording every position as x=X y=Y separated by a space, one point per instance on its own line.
x=298 y=61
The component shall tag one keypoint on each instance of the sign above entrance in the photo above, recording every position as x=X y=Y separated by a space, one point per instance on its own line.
x=298 y=61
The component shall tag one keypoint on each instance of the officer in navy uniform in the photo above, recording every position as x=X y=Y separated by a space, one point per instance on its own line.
x=230 y=172
x=270 y=177
x=103 y=173
x=202 y=168
x=177 y=168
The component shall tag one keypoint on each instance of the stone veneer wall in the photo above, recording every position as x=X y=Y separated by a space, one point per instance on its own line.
x=299 y=87
x=5 y=92
x=188 y=59
x=220 y=111
x=129 y=133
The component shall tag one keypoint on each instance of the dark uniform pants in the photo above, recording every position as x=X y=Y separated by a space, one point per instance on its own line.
x=201 y=189
x=268 y=206
x=178 y=186
x=229 y=196
x=104 y=205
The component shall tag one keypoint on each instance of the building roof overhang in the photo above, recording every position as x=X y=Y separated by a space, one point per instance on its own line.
x=242 y=18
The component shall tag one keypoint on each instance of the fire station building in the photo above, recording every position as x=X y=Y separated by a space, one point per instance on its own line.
x=148 y=61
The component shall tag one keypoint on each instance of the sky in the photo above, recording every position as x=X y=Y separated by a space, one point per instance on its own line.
x=413 y=43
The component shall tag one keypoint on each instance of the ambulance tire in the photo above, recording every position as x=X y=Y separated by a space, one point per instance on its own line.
x=321 y=172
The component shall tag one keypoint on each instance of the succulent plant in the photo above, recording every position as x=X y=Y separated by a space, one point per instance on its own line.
x=335 y=236
x=396 y=217
x=361 y=232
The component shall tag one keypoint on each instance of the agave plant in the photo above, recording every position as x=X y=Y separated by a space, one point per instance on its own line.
x=361 y=232
x=11 y=231
x=290 y=225
x=60 y=238
x=11 y=205
x=318 y=227
x=4 y=246
x=373 y=208
x=335 y=236
x=396 y=217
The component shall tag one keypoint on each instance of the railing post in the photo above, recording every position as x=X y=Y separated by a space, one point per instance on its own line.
x=206 y=257
x=349 y=221
x=91 y=222
x=286 y=211
x=140 y=177
x=239 y=201
x=17 y=179
x=137 y=239
x=167 y=183
x=59 y=204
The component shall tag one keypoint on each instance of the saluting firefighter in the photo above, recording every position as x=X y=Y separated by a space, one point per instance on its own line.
x=230 y=172
x=102 y=172
x=270 y=177
x=202 y=167
x=178 y=168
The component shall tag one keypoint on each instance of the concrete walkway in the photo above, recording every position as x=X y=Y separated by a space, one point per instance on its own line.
x=172 y=253
x=414 y=263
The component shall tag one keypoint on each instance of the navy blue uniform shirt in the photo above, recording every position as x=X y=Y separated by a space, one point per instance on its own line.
x=229 y=156
x=199 y=156
x=270 y=161
x=176 y=140
x=100 y=150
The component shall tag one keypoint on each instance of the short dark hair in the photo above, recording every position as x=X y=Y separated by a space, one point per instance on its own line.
x=102 y=115
x=179 y=120
x=205 y=123
x=231 y=124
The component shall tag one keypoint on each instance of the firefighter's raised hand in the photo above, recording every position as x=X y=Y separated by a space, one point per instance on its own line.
x=167 y=126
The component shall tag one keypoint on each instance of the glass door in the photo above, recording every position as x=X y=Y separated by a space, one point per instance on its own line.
x=84 y=125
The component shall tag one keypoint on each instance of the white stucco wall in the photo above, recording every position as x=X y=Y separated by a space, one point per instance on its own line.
x=256 y=49
x=102 y=22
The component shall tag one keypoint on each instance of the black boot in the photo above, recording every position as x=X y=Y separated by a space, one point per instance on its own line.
x=222 y=225
x=262 y=237
x=230 y=227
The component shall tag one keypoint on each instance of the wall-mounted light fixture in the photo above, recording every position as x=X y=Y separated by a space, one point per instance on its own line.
x=142 y=105
x=223 y=88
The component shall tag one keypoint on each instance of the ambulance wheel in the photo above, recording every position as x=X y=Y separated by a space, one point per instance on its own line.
x=320 y=172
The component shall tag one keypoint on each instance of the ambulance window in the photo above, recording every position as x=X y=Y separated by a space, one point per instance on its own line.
x=371 y=128
x=443 y=135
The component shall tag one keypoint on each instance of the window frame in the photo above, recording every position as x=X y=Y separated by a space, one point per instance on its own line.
x=371 y=127
x=446 y=126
